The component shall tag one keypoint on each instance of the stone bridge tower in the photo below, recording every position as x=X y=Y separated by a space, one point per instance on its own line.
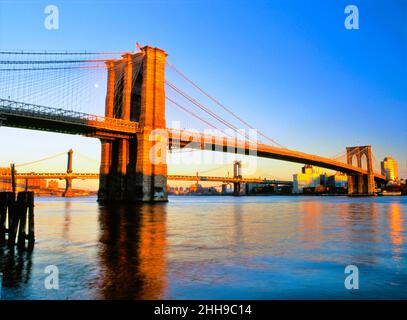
x=135 y=92
x=237 y=173
x=362 y=184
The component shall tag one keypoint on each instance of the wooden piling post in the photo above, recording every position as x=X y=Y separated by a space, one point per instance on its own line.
x=16 y=212
x=13 y=219
x=3 y=215
x=31 y=233
x=13 y=177
x=22 y=214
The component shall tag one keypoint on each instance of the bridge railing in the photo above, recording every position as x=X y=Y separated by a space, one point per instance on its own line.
x=10 y=107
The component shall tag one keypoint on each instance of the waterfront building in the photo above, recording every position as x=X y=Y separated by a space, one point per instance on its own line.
x=195 y=188
x=53 y=184
x=5 y=184
x=389 y=168
x=310 y=177
x=36 y=184
x=227 y=188
x=260 y=188
x=338 y=180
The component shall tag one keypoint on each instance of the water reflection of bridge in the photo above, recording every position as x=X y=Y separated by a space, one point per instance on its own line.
x=133 y=252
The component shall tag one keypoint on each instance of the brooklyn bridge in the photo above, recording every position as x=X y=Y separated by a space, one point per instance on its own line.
x=133 y=130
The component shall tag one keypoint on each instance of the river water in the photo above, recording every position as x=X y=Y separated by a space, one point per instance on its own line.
x=198 y=247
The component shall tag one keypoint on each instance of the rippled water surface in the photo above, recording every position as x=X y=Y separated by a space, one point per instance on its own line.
x=214 y=248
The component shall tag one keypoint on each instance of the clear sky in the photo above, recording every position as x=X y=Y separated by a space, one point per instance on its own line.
x=290 y=68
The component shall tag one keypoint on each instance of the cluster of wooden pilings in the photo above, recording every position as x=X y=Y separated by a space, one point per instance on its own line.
x=17 y=219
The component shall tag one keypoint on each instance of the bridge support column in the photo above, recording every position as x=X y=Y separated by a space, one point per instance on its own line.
x=150 y=183
x=68 y=181
x=135 y=169
x=351 y=184
x=116 y=164
x=237 y=173
x=68 y=188
x=105 y=164
x=236 y=189
x=151 y=164
x=371 y=186
x=361 y=184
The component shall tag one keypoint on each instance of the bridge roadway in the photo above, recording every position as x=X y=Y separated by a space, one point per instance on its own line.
x=193 y=140
x=30 y=116
x=83 y=176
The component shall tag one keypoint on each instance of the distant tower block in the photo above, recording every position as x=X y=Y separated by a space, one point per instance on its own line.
x=361 y=184
x=135 y=91
x=389 y=169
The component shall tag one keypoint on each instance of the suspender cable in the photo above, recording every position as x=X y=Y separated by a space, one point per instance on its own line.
x=220 y=104
x=194 y=115
x=202 y=107
x=191 y=113
x=40 y=160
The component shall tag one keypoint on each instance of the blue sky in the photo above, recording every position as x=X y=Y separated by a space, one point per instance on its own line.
x=290 y=68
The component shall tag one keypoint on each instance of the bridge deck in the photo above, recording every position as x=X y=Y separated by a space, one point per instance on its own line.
x=183 y=139
x=31 y=116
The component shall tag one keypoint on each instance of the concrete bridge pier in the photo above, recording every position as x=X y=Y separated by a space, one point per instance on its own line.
x=361 y=184
x=113 y=168
x=68 y=188
x=135 y=170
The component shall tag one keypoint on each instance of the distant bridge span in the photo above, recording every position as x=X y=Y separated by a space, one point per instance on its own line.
x=85 y=176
